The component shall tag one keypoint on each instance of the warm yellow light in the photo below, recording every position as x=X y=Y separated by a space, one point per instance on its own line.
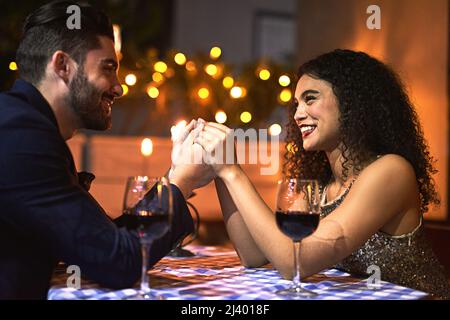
x=13 y=66
x=130 y=79
x=284 y=80
x=157 y=77
x=275 y=129
x=246 y=117
x=160 y=67
x=169 y=73
x=285 y=95
x=146 y=147
x=228 y=82
x=221 y=117
x=180 y=59
x=203 y=93
x=211 y=69
x=117 y=39
x=190 y=66
x=124 y=89
x=264 y=74
x=153 y=92
x=236 y=92
x=215 y=52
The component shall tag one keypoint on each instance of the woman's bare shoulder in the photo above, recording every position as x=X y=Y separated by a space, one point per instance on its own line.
x=392 y=166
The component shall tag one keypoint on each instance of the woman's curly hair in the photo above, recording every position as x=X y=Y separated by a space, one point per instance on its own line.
x=376 y=117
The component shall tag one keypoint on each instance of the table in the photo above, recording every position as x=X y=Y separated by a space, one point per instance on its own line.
x=215 y=273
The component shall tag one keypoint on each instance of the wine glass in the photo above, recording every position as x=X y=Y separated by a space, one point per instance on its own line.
x=297 y=216
x=148 y=209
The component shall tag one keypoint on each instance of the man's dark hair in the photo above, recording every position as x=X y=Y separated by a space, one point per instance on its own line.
x=45 y=31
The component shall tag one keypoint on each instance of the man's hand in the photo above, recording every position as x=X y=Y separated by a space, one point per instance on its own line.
x=188 y=170
x=217 y=141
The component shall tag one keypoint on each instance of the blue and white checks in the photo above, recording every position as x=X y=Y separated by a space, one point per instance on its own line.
x=215 y=274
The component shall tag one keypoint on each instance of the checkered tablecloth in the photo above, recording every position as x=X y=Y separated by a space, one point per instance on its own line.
x=216 y=274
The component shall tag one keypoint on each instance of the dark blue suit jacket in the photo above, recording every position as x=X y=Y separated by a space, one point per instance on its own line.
x=46 y=216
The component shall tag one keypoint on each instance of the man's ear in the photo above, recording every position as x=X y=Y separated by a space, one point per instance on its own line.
x=63 y=65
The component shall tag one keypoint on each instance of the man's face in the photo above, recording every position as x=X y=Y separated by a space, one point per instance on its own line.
x=95 y=86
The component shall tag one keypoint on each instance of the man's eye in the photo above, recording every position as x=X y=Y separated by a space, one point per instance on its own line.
x=110 y=67
x=309 y=99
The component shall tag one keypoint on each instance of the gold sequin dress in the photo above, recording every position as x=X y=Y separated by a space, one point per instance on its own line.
x=407 y=260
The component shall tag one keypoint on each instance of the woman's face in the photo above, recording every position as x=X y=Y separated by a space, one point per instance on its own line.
x=317 y=114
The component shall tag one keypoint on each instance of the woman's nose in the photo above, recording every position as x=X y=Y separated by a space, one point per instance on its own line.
x=300 y=113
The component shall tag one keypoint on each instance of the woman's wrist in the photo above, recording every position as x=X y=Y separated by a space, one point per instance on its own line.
x=229 y=172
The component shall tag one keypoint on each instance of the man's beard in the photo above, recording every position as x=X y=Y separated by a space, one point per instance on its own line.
x=85 y=101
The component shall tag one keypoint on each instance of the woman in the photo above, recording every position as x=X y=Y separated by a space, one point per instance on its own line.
x=354 y=129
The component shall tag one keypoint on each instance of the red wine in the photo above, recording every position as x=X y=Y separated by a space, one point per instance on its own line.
x=148 y=224
x=297 y=224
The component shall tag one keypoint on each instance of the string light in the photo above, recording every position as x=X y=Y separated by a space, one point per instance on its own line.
x=284 y=80
x=12 y=66
x=285 y=95
x=221 y=117
x=169 y=73
x=157 y=77
x=160 y=66
x=236 y=92
x=215 y=52
x=190 y=66
x=228 y=82
x=130 y=79
x=203 y=93
x=264 y=74
x=152 y=92
x=275 y=129
x=180 y=59
x=246 y=117
x=211 y=69
x=124 y=89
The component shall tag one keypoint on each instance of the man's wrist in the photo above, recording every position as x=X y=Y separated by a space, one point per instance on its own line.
x=184 y=186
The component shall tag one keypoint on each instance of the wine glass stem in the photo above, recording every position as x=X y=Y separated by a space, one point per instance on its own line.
x=296 y=280
x=145 y=286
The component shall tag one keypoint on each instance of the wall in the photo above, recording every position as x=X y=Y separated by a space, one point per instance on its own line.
x=201 y=24
x=413 y=39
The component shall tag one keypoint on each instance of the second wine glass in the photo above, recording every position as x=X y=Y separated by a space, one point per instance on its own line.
x=297 y=216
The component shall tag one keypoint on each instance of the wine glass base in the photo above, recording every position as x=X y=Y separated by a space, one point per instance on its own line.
x=296 y=293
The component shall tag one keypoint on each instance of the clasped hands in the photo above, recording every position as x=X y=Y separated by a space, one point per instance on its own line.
x=201 y=151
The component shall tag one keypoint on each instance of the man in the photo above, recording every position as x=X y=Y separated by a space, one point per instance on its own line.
x=68 y=81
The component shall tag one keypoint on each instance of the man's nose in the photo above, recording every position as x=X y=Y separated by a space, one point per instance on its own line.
x=117 y=90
